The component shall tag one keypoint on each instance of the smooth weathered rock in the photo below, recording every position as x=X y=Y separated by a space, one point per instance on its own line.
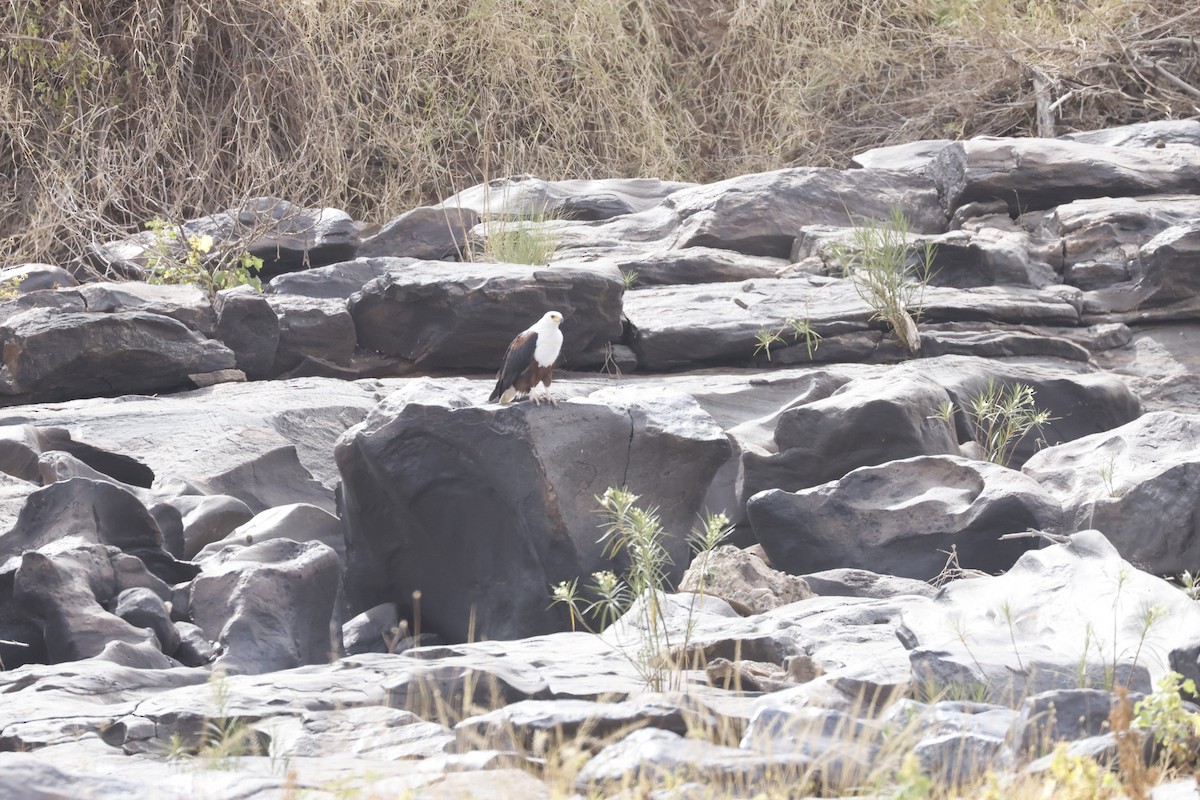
x=902 y=517
x=142 y=608
x=525 y=196
x=26 y=278
x=376 y=630
x=440 y=315
x=299 y=522
x=1157 y=133
x=1068 y=616
x=1139 y=484
x=427 y=232
x=863 y=423
x=696 y=265
x=1063 y=715
x=20 y=450
x=312 y=330
x=1030 y=174
x=761 y=214
x=64 y=591
x=268 y=606
x=906 y=157
x=247 y=325
x=844 y=582
x=208 y=518
x=335 y=281
x=184 y=302
x=59 y=356
x=483 y=508
x=742 y=580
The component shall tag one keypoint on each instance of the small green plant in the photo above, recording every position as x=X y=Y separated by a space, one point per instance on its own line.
x=637 y=535
x=630 y=277
x=911 y=781
x=878 y=260
x=1077 y=777
x=176 y=258
x=1175 y=728
x=1190 y=584
x=1107 y=477
x=1001 y=418
x=799 y=328
x=10 y=288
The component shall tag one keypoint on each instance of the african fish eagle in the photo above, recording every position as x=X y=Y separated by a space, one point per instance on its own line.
x=530 y=361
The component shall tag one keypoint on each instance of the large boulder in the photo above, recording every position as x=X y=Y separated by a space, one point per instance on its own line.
x=482 y=508
x=525 y=196
x=440 y=315
x=185 y=302
x=427 y=232
x=1031 y=174
x=1139 y=484
x=335 y=281
x=312 y=331
x=1069 y=616
x=268 y=606
x=762 y=214
x=903 y=517
x=54 y=356
x=247 y=325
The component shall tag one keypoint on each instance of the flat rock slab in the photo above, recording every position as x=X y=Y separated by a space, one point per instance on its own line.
x=526 y=196
x=1031 y=174
x=57 y=356
x=443 y=315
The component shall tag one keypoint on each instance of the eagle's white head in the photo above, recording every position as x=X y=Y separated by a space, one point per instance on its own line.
x=550 y=338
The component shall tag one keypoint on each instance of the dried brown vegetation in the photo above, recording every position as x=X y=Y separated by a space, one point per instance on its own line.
x=112 y=113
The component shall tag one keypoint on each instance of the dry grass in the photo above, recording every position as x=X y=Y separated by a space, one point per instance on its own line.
x=113 y=113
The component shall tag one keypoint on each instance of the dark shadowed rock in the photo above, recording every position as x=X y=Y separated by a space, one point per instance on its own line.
x=64 y=592
x=1030 y=174
x=94 y=511
x=430 y=232
x=440 y=315
x=965 y=339
x=1139 y=483
x=336 y=281
x=1063 y=715
x=761 y=214
x=697 y=265
x=57 y=356
x=901 y=518
x=866 y=422
x=483 y=508
x=142 y=608
x=312 y=329
x=194 y=649
x=247 y=325
x=268 y=606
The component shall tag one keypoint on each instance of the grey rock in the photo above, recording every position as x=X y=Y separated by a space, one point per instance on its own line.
x=30 y=777
x=903 y=516
x=20 y=448
x=1161 y=364
x=64 y=591
x=247 y=325
x=653 y=757
x=436 y=497
x=440 y=315
x=184 y=302
x=377 y=733
x=194 y=649
x=35 y=277
x=335 y=281
x=846 y=582
x=59 y=356
x=841 y=746
x=865 y=422
x=957 y=339
x=209 y=518
x=696 y=265
x=1054 y=621
x=268 y=606
x=1158 y=133
x=761 y=214
x=142 y=655
x=906 y=157
x=742 y=580
x=1031 y=174
x=525 y=196
x=313 y=330
x=299 y=522
x=370 y=631
x=1138 y=483
x=428 y=232
x=143 y=608
x=1063 y=715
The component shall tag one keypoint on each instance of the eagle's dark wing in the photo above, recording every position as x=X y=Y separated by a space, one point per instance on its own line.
x=516 y=360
